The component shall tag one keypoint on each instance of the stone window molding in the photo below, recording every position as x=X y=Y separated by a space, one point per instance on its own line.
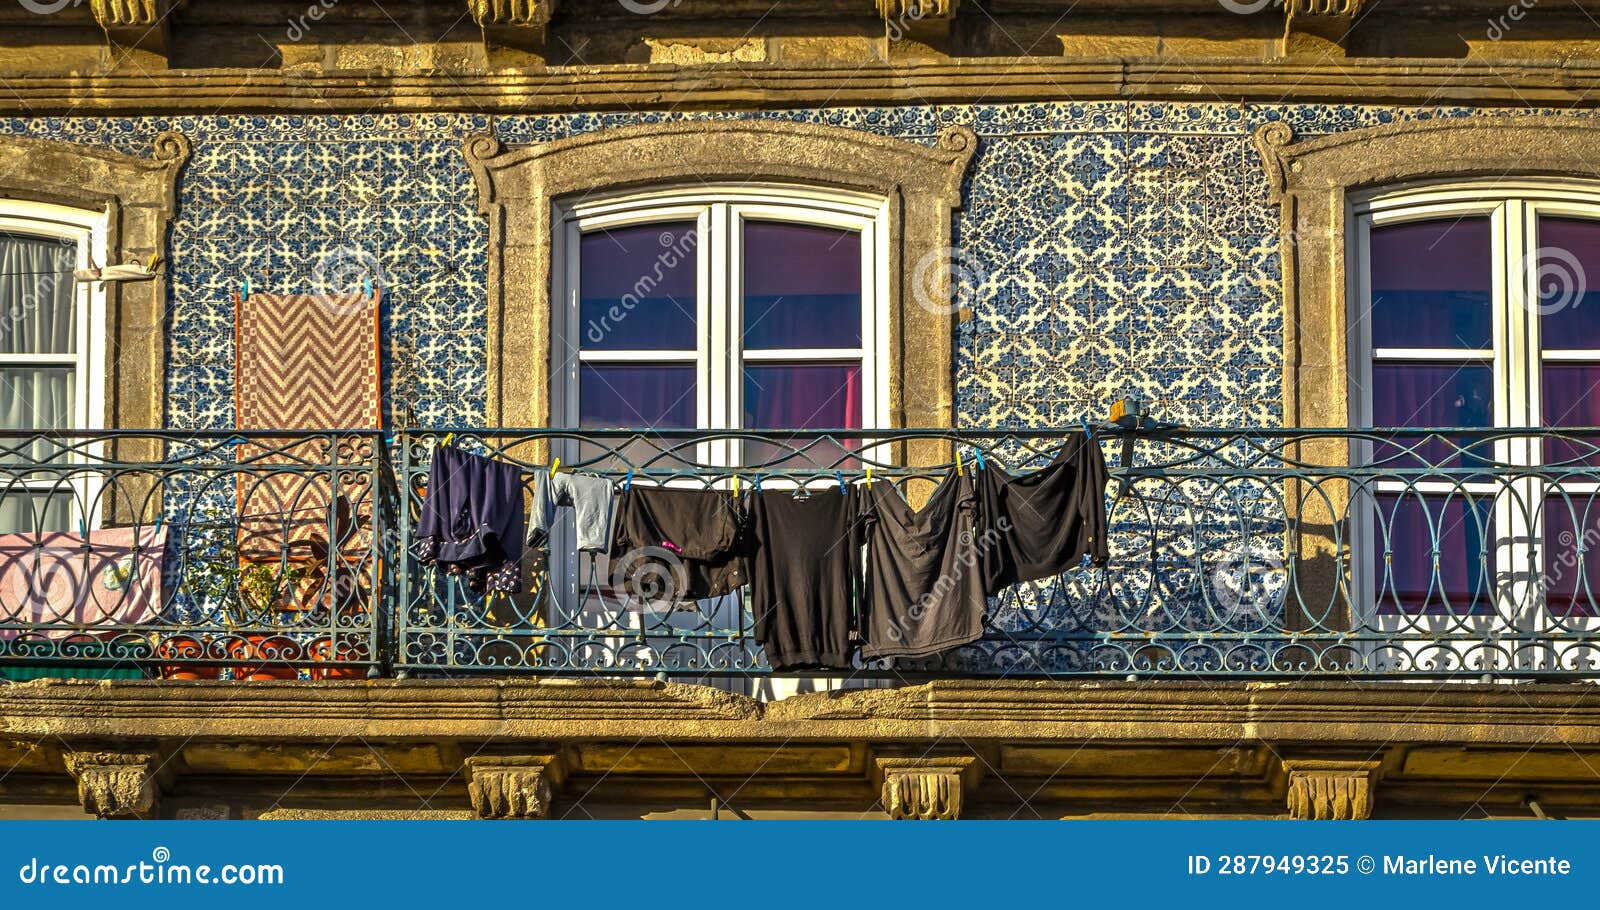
x=519 y=188
x=1315 y=184
x=139 y=197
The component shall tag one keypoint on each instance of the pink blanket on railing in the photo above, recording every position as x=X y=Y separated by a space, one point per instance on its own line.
x=51 y=579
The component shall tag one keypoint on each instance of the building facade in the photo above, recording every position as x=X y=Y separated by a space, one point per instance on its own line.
x=1274 y=226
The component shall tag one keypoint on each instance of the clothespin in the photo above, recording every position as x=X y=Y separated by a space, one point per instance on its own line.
x=160 y=516
x=554 y=467
x=246 y=294
x=959 y=472
x=736 y=486
x=869 y=477
x=1088 y=431
x=839 y=476
x=446 y=440
x=367 y=282
x=758 y=483
x=628 y=484
x=978 y=454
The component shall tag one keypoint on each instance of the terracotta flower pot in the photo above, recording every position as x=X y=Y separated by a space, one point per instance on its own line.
x=257 y=650
x=179 y=647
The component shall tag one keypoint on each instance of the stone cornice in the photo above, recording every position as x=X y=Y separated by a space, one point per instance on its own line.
x=663 y=86
x=979 y=711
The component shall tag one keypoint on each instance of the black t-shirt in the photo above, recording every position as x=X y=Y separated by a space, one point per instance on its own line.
x=806 y=559
x=924 y=589
x=1042 y=523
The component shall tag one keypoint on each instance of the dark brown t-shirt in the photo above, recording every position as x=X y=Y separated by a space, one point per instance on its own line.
x=924 y=579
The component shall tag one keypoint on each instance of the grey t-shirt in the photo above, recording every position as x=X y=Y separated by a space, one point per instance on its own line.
x=924 y=570
x=591 y=498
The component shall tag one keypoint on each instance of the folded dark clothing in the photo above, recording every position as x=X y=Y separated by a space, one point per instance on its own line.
x=671 y=544
x=803 y=569
x=924 y=575
x=472 y=520
x=1043 y=523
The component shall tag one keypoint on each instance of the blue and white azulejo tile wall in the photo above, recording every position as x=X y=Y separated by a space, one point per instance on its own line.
x=1107 y=248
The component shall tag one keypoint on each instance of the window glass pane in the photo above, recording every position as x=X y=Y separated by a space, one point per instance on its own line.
x=802 y=286
x=1571 y=556
x=637 y=288
x=801 y=396
x=1431 y=395
x=1568 y=284
x=1431 y=284
x=1569 y=399
x=36 y=295
x=1408 y=525
x=636 y=395
x=33 y=512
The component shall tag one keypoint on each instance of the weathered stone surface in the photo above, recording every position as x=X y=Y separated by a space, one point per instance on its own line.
x=513 y=786
x=1318 y=27
x=924 y=788
x=1331 y=789
x=117 y=784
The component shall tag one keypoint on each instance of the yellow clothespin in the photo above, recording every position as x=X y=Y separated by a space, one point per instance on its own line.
x=554 y=467
x=869 y=477
x=736 y=486
x=447 y=438
x=958 y=463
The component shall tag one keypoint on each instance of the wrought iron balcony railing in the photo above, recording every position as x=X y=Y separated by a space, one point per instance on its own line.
x=1234 y=553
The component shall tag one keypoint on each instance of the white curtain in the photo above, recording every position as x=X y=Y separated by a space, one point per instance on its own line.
x=37 y=316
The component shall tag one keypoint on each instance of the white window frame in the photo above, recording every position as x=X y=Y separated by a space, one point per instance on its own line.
x=88 y=231
x=1513 y=209
x=719 y=212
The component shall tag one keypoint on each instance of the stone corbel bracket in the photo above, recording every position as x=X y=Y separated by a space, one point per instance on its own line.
x=119 y=784
x=514 y=31
x=137 y=31
x=1318 y=28
x=926 y=788
x=515 y=786
x=917 y=28
x=1338 y=789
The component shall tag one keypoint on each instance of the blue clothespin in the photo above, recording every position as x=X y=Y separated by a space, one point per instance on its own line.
x=160 y=516
x=1088 y=431
x=839 y=476
x=758 y=483
x=367 y=282
x=628 y=484
x=246 y=295
x=977 y=455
